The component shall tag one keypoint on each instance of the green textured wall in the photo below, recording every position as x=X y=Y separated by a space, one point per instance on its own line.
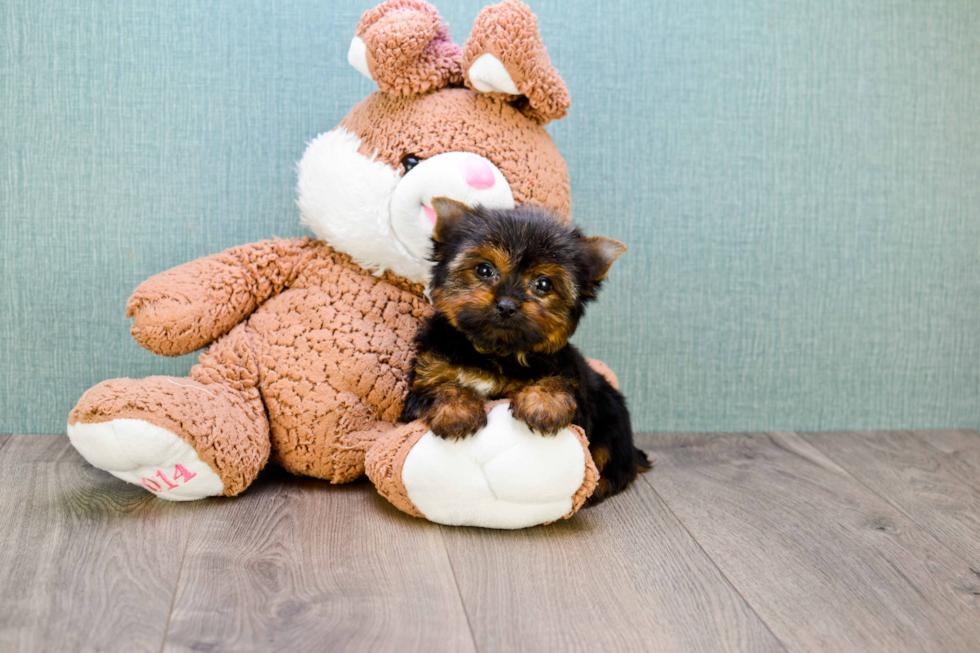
x=799 y=184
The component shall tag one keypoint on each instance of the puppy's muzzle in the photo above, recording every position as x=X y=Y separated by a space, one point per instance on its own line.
x=506 y=308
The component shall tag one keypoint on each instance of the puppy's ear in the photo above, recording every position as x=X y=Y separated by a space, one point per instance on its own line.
x=601 y=252
x=448 y=215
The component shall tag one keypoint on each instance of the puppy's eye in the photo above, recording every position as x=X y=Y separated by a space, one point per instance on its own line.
x=409 y=161
x=484 y=270
x=542 y=285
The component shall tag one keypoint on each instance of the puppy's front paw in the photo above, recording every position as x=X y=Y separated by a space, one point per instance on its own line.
x=546 y=406
x=456 y=413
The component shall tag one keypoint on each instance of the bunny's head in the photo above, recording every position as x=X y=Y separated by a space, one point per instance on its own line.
x=447 y=121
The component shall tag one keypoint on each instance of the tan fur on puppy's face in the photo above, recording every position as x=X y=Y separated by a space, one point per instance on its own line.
x=546 y=316
x=552 y=315
x=514 y=282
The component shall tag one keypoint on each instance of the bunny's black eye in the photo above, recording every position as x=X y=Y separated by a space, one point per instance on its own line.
x=484 y=270
x=542 y=285
x=409 y=161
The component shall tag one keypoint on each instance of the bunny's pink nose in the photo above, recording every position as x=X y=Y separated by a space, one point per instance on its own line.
x=477 y=173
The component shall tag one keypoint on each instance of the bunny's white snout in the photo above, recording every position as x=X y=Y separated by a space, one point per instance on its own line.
x=363 y=207
x=462 y=176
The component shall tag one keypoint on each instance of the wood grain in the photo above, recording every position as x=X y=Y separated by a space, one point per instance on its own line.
x=935 y=489
x=297 y=564
x=622 y=576
x=838 y=541
x=825 y=562
x=40 y=449
x=86 y=562
x=962 y=444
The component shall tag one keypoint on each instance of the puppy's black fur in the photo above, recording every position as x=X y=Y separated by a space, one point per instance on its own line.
x=509 y=288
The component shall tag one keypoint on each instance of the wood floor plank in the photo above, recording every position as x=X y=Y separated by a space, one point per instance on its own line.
x=962 y=444
x=297 y=564
x=87 y=562
x=622 y=576
x=40 y=448
x=935 y=489
x=825 y=562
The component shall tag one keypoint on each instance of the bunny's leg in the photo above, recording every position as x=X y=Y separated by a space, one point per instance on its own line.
x=180 y=438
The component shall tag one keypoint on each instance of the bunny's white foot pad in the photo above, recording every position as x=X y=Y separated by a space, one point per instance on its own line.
x=146 y=455
x=504 y=476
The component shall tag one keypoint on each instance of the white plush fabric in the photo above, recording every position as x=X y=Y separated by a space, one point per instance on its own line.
x=488 y=75
x=146 y=455
x=365 y=208
x=357 y=56
x=443 y=175
x=345 y=199
x=505 y=476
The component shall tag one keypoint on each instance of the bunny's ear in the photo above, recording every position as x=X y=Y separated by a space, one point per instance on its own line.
x=404 y=46
x=504 y=56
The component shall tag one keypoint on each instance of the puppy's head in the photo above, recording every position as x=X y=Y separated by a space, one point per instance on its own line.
x=515 y=281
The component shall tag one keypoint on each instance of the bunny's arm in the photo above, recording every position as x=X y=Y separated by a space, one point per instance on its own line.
x=189 y=306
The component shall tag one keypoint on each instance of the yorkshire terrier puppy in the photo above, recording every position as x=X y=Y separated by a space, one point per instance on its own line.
x=509 y=288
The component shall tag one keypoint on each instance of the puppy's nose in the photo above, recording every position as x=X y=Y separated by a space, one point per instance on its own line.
x=506 y=307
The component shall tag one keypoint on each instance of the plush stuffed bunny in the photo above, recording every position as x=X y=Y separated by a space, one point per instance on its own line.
x=310 y=339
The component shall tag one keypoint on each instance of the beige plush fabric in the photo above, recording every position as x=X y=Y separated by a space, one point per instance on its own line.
x=509 y=32
x=186 y=308
x=425 y=57
x=459 y=119
x=336 y=350
x=591 y=475
x=325 y=359
x=385 y=461
x=218 y=410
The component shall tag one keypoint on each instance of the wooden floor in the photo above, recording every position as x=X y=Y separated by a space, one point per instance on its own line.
x=749 y=542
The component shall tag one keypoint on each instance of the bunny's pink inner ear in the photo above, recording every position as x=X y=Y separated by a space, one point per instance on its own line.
x=405 y=47
x=505 y=57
